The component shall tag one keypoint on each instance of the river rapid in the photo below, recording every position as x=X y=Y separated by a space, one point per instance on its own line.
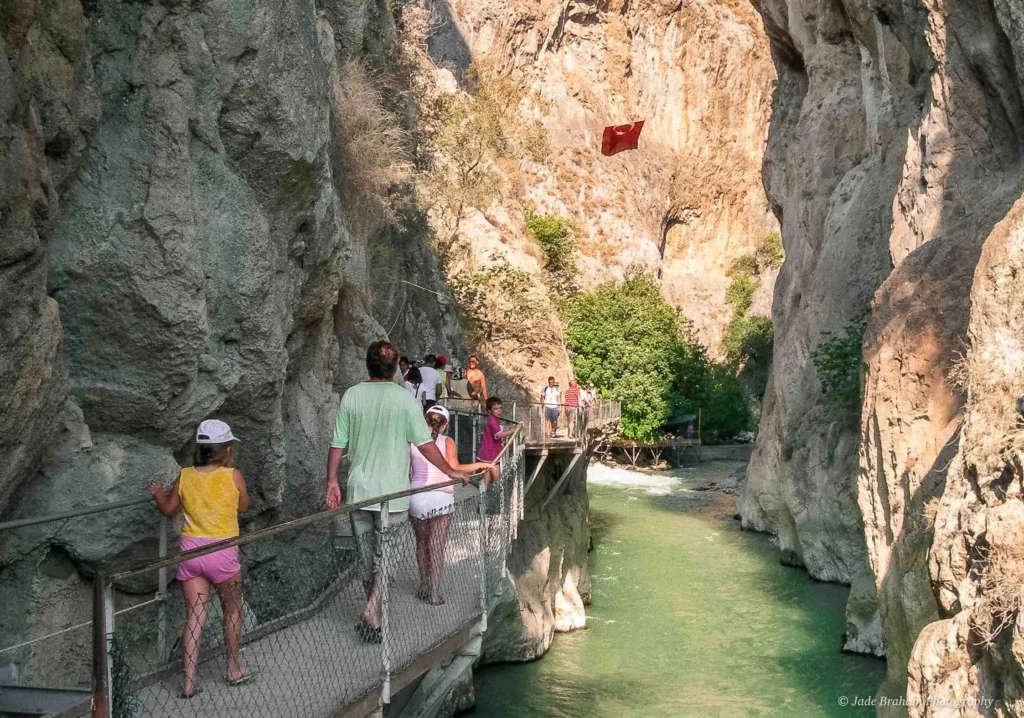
x=689 y=616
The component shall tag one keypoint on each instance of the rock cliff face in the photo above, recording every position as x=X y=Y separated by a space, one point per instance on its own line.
x=893 y=160
x=179 y=242
x=550 y=578
x=690 y=200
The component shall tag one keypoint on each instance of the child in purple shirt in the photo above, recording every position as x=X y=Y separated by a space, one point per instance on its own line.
x=493 y=438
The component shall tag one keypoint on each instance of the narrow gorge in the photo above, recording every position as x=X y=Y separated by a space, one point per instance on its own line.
x=212 y=207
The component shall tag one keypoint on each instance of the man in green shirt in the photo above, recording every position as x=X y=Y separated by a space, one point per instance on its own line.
x=377 y=423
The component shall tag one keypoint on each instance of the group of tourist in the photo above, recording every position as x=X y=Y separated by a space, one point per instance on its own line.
x=571 y=402
x=435 y=379
x=394 y=438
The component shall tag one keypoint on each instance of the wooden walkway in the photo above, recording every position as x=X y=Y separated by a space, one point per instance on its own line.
x=634 y=450
x=319 y=666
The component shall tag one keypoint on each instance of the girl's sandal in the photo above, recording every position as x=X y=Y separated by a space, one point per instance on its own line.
x=189 y=696
x=246 y=677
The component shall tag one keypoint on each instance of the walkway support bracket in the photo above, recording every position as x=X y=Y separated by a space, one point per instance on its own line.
x=576 y=459
x=536 y=470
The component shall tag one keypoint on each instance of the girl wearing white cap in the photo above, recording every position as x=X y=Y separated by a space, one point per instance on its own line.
x=430 y=511
x=210 y=495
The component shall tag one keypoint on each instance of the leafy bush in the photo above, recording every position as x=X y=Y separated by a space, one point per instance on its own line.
x=637 y=349
x=740 y=293
x=744 y=266
x=769 y=251
x=837 y=360
x=496 y=300
x=749 y=342
x=555 y=237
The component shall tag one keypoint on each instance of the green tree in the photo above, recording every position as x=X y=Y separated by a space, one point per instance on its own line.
x=637 y=349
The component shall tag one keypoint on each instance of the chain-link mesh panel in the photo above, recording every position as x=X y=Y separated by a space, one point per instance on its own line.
x=283 y=640
x=315 y=622
x=433 y=565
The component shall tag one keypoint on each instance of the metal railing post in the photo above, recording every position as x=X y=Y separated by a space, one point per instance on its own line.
x=473 y=446
x=457 y=437
x=483 y=555
x=385 y=623
x=102 y=643
x=161 y=611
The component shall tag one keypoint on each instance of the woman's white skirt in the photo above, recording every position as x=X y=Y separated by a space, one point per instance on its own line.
x=429 y=504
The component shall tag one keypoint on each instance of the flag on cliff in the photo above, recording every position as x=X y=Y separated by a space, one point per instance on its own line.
x=621 y=137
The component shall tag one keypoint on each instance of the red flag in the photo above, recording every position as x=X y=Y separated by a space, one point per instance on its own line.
x=621 y=137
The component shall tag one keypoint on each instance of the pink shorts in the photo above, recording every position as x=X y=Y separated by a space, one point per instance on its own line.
x=215 y=567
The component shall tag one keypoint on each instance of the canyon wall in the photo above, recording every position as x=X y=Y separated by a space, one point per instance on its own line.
x=893 y=162
x=180 y=240
x=690 y=199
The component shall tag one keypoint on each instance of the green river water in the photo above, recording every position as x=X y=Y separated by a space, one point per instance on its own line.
x=689 y=616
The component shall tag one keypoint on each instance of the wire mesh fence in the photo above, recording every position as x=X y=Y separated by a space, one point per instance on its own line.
x=46 y=651
x=315 y=624
x=544 y=424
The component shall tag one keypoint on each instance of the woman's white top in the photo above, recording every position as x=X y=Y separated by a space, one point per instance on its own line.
x=423 y=472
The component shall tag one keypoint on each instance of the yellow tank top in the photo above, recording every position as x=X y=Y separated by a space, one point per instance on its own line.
x=209 y=500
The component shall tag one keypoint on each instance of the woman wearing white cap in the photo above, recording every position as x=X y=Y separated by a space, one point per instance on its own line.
x=210 y=494
x=430 y=511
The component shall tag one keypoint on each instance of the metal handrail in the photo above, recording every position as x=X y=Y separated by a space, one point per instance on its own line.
x=164 y=561
x=72 y=514
x=103 y=597
x=253 y=536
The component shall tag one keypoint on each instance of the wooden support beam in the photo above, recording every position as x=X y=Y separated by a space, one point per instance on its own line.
x=536 y=471
x=576 y=459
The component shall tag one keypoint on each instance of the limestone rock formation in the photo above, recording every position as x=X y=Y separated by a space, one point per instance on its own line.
x=690 y=200
x=549 y=575
x=180 y=241
x=894 y=150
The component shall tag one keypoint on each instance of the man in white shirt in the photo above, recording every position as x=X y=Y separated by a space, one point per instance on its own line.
x=551 y=397
x=431 y=381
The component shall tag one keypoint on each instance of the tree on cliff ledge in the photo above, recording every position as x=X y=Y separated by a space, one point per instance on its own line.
x=637 y=349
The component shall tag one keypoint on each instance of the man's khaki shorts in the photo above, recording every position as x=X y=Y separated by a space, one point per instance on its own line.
x=366 y=528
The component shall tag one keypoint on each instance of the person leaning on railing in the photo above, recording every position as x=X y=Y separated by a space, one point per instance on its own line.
x=430 y=511
x=377 y=421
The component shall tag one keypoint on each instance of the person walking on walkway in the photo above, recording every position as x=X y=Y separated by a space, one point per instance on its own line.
x=476 y=381
x=377 y=421
x=571 y=401
x=414 y=385
x=430 y=511
x=431 y=380
x=210 y=494
x=551 y=398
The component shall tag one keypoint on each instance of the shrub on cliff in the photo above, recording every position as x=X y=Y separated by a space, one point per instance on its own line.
x=637 y=349
x=837 y=361
x=769 y=252
x=749 y=339
x=467 y=135
x=554 y=235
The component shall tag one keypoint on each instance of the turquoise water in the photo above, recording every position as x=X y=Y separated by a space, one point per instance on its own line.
x=689 y=617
